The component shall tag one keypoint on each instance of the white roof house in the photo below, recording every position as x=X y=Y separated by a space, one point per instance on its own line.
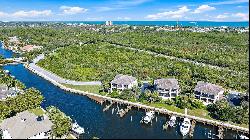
x=26 y=125
x=167 y=87
x=208 y=92
x=122 y=82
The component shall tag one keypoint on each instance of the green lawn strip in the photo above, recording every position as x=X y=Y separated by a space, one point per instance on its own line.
x=240 y=125
x=86 y=88
x=37 y=111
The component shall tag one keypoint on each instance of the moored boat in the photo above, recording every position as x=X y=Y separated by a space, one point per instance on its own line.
x=148 y=118
x=185 y=126
x=77 y=129
x=172 y=120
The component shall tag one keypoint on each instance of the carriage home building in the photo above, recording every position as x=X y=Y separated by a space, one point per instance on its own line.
x=122 y=82
x=207 y=92
x=167 y=88
x=26 y=125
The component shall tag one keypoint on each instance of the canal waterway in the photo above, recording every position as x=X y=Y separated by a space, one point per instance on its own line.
x=101 y=124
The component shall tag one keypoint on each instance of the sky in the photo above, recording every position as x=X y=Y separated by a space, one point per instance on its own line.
x=124 y=10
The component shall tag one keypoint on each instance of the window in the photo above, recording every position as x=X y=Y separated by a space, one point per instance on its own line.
x=197 y=93
x=173 y=94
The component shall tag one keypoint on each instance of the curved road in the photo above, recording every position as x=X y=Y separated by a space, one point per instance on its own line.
x=56 y=77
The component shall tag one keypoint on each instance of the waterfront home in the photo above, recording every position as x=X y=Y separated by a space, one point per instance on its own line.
x=3 y=93
x=207 y=92
x=122 y=82
x=7 y=92
x=167 y=88
x=14 y=40
x=26 y=125
x=29 y=48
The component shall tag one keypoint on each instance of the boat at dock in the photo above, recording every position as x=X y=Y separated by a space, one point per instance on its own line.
x=148 y=118
x=185 y=126
x=77 y=129
x=171 y=122
x=243 y=137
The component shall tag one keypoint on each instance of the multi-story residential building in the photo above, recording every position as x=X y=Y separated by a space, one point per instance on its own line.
x=167 y=88
x=207 y=92
x=122 y=82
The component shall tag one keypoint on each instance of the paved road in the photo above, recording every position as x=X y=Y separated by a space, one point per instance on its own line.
x=56 y=77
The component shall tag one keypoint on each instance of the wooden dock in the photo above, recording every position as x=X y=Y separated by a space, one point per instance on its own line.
x=123 y=112
x=97 y=99
x=138 y=105
x=107 y=107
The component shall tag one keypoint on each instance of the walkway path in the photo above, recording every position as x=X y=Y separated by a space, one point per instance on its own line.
x=178 y=59
x=55 y=77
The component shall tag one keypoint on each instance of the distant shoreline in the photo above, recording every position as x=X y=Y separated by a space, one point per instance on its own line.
x=155 y=23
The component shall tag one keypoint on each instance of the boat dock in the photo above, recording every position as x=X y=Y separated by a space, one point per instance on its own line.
x=123 y=112
x=102 y=99
x=107 y=107
x=96 y=99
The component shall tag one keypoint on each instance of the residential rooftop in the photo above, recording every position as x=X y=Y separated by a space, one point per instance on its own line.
x=209 y=88
x=25 y=125
x=121 y=79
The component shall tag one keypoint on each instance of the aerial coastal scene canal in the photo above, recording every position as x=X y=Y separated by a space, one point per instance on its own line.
x=125 y=78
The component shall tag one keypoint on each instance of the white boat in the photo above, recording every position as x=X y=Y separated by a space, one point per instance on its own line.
x=148 y=118
x=185 y=126
x=77 y=129
x=243 y=137
x=171 y=122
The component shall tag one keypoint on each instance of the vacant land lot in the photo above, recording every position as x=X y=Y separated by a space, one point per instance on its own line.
x=103 y=61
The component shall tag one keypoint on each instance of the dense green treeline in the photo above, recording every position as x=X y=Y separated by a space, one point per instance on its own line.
x=30 y=99
x=215 y=48
x=103 y=61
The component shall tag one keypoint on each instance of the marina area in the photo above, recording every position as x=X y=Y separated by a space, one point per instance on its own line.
x=96 y=121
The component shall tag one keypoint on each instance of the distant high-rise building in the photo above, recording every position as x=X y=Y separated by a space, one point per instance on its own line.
x=109 y=23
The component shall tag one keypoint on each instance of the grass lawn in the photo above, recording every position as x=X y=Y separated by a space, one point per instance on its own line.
x=88 y=88
x=37 y=111
x=240 y=125
x=199 y=113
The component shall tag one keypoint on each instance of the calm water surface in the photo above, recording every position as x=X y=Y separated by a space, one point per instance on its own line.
x=96 y=122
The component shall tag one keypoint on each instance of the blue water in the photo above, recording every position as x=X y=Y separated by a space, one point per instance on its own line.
x=5 y=53
x=96 y=122
x=169 y=23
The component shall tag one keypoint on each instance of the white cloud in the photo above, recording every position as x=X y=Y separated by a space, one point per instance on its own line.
x=204 y=8
x=221 y=16
x=104 y=8
x=72 y=10
x=33 y=13
x=170 y=14
x=242 y=16
x=123 y=18
x=2 y=14
x=26 y=14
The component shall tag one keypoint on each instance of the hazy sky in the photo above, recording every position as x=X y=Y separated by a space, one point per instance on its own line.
x=101 y=10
